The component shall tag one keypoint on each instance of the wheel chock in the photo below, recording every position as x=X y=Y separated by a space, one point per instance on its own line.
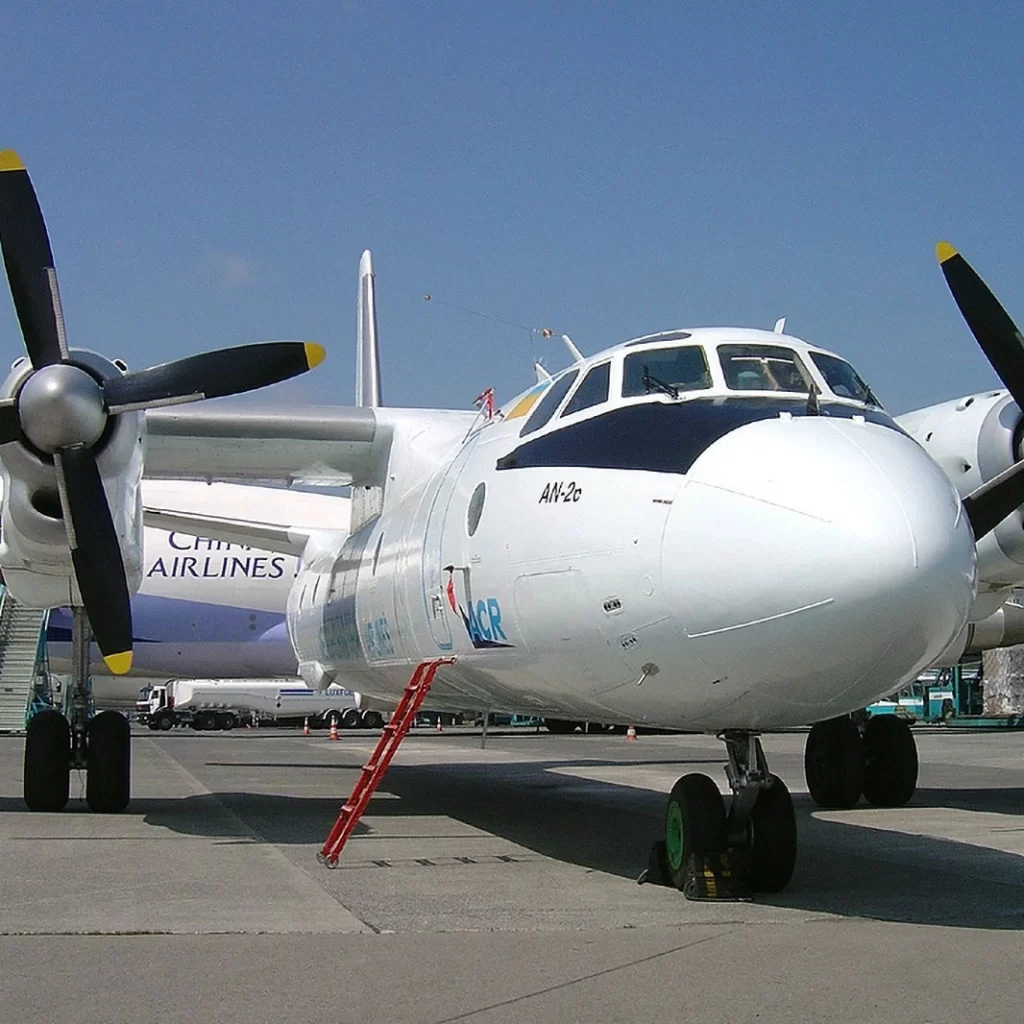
x=708 y=879
x=656 y=872
x=711 y=880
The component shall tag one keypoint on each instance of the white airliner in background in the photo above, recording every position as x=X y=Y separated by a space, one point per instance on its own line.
x=711 y=528
x=209 y=608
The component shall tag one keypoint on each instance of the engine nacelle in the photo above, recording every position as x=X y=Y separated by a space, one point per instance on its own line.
x=34 y=554
x=1002 y=628
x=973 y=439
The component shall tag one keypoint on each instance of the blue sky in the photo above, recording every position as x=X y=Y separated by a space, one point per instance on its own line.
x=211 y=172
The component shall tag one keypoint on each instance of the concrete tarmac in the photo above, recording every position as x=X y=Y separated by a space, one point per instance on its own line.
x=498 y=885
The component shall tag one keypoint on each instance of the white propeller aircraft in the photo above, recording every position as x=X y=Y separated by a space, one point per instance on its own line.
x=714 y=529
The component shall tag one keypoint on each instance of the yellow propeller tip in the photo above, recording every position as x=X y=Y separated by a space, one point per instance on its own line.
x=119 y=664
x=944 y=251
x=10 y=161
x=315 y=354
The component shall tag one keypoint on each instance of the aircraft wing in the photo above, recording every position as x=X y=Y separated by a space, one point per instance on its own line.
x=326 y=446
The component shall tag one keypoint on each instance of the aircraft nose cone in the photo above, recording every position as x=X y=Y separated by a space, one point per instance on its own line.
x=817 y=563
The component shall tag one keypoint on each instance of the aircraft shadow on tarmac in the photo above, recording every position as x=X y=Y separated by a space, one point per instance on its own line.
x=842 y=868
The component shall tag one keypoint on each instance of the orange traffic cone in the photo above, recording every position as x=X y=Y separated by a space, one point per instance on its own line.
x=631 y=733
x=440 y=727
x=333 y=734
x=305 y=727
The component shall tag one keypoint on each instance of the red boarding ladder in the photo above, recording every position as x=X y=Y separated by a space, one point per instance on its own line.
x=373 y=771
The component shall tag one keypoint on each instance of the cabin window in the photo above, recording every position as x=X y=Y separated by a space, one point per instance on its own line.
x=592 y=391
x=665 y=370
x=843 y=379
x=763 y=368
x=549 y=403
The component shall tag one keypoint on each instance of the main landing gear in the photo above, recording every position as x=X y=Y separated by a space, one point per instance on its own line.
x=711 y=854
x=100 y=744
x=842 y=763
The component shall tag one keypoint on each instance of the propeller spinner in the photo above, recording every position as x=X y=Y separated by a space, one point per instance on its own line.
x=63 y=409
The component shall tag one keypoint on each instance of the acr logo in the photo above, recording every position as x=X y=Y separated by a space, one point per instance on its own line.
x=482 y=618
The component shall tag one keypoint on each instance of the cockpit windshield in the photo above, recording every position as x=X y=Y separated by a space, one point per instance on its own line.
x=666 y=370
x=763 y=368
x=843 y=379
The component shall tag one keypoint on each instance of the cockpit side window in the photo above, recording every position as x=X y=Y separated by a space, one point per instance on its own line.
x=549 y=403
x=843 y=379
x=763 y=368
x=593 y=390
x=660 y=369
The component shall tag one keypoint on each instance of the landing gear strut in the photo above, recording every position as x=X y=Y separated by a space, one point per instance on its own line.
x=711 y=854
x=762 y=826
x=100 y=744
x=841 y=763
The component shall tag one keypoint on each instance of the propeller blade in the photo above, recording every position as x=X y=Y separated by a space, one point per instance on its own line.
x=996 y=333
x=29 y=263
x=96 y=555
x=228 y=371
x=991 y=503
x=10 y=425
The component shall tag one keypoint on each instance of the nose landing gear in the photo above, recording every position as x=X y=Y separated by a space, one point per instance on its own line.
x=762 y=826
x=712 y=855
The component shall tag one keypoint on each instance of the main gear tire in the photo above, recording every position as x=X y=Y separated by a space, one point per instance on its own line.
x=890 y=762
x=834 y=763
x=47 y=777
x=108 y=759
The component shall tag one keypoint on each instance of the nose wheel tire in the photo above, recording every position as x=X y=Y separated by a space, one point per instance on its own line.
x=834 y=763
x=108 y=776
x=767 y=862
x=694 y=824
x=890 y=761
x=47 y=761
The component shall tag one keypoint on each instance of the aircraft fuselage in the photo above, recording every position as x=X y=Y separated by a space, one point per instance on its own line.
x=703 y=560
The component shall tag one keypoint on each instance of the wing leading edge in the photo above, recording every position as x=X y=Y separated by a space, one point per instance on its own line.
x=326 y=446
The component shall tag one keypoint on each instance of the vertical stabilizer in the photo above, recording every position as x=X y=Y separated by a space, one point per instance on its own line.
x=367 y=356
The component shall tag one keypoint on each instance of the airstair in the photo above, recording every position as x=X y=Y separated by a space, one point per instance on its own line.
x=22 y=647
x=373 y=771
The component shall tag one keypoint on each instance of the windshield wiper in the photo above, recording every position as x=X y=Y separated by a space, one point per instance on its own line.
x=813 y=405
x=652 y=383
